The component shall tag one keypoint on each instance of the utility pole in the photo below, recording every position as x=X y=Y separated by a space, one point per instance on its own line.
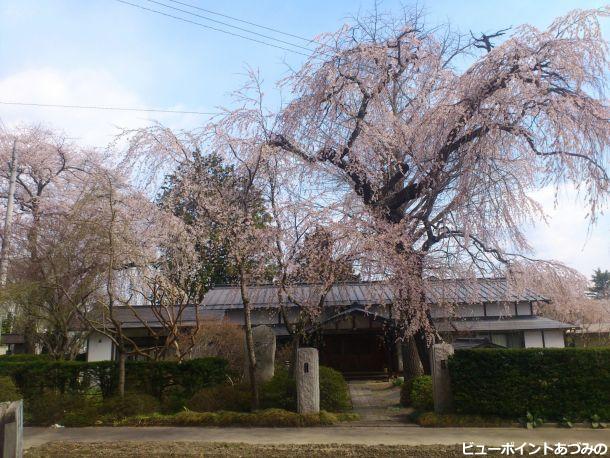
x=8 y=219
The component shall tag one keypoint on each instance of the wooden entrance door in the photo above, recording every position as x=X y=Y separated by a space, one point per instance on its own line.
x=354 y=352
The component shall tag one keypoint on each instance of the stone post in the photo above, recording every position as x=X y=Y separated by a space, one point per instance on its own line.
x=264 y=351
x=308 y=380
x=441 y=386
x=11 y=429
x=399 y=363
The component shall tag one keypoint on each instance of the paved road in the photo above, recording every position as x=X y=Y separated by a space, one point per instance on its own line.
x=366 y=434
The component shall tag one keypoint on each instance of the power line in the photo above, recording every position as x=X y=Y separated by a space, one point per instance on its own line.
x=311 y=51
x=96 y=107
x=230 y=25
x=211 y=28
x=271 y=29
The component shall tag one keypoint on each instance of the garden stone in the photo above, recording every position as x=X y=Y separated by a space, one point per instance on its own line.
x=264 y=351
x=308 y=380
x=441 y=385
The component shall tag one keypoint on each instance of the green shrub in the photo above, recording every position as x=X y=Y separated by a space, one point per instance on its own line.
x=8 y=390
x=280 y=392
x=553 y=383
x=398 y=381
x=421 y=393
x=221 y=397
x=173 y=400
x=86 y=415
x=334 y=392
x=129 y=405
x=51 y=407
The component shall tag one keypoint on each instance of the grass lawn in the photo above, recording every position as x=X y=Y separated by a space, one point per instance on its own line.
x=148 y=449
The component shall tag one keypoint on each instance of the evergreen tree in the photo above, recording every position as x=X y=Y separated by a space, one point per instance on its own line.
x=601 y=284
x=212 y=266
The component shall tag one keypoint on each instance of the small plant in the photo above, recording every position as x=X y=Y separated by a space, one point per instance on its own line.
x=398 y=381
x=596 y=423
x=221 y=397
x=8 y=390
x=129 y=405
x=565 y=423
x=334 y=392
x=530 y=421
x=421 y=393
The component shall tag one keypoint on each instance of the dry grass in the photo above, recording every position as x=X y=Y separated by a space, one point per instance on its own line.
x=434 y=420
x=129 y=449
x=193 y=449
x=268 y=417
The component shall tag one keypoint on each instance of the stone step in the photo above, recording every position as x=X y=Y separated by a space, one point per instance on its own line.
x=366 y=376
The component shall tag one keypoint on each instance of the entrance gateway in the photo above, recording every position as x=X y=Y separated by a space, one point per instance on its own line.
x=357 y=342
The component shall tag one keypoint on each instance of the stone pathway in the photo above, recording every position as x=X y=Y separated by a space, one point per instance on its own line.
x=378 y=403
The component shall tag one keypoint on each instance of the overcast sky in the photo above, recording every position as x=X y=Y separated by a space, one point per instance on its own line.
x=103 y=52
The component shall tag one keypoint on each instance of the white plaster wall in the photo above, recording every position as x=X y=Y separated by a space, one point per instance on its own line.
x=553 y=338
x=523 y=308
x=267 y=317
x=469 y=310
x=99 y=348
x=438 y=312
x=533 y=339
x=264 y=317
x=502 y=309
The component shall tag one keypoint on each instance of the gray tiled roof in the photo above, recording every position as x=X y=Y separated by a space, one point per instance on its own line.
x=7 y=339
x=134 y=317
x=367 y=293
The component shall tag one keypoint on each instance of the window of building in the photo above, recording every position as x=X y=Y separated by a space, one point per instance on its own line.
x=504 y=339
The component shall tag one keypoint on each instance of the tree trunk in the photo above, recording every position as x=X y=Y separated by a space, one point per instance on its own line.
x=249 y=344
x=420 y=337
x=423 y=349
x=411 y=361
x=293 y=354
x=122 y=358
x=29 y=336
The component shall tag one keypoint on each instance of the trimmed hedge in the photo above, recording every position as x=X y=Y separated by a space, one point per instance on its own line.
x=156 y=378
x=21 y=358
x=550 y=383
